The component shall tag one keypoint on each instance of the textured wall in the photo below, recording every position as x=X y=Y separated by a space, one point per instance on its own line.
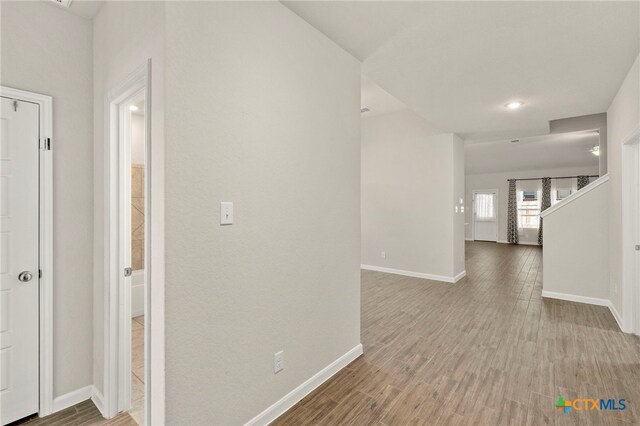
x=264 y=111
x=575 y=254
x=47 y=50
x=409 y=183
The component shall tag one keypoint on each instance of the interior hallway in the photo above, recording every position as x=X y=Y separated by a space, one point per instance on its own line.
x=487 y=350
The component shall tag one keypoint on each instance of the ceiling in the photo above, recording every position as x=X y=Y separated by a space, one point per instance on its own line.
x=87 y=9
x=553 y=151
x=458 y=63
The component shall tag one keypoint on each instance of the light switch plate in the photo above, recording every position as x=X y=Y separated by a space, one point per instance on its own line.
x=226 y=213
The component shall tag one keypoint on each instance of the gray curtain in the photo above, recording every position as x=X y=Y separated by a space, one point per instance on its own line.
x=582 y=182
x=512 y=214
x=545 y=204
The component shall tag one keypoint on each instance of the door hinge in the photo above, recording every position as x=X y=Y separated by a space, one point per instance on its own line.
x=15 y=105
x=127 y=272
x=46 y=144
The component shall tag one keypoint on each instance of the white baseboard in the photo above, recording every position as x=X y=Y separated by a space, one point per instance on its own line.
x=460 y=276
x=469 y=239
x=289 y=400
x=72 y=398
x=576 y=298
x=433 y=277
x=591 y=301
x=616 y=316
x=98 y=400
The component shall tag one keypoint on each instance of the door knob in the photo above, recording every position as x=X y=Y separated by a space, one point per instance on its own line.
x=25 y=276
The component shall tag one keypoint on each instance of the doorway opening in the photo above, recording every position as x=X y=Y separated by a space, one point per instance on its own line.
x=631 y=233
x=128 y=260
x=134 y=125
x=485 y=215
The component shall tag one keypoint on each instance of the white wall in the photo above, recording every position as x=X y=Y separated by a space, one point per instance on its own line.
x=459 y=202
x=499 y=181
x=409 y=187
x=576 y=246
x=125 y=35
x=264 y=111
x=137 y=138
x=623 y=117
x=47 y=50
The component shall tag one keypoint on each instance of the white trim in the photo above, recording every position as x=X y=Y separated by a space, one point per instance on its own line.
x=98 y=400
x=117 y=320
x=290 y=399
x=576 y=298
x=460 y=276
x=469 y=239
x=473 y=212
x=616 y=316
x=571 y=198
x=72 y=398
x=433 y=277
x=45 y=104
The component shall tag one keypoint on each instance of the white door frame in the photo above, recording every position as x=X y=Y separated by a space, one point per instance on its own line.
x=45 y=104
x=473 y=211
x=117 y=373
x=631 y=232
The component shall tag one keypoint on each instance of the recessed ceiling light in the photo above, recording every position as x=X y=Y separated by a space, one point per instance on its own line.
x=133 y=108
x=514 y=105
x=595 y=150
x=364 y=109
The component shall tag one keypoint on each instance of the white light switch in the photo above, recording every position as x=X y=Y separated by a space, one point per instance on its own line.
x=226 y=213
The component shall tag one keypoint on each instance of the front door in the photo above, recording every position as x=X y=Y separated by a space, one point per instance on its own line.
x=19 y=165
x=485 y=216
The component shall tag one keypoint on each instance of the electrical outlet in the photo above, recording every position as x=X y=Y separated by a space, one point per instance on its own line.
x=383 y=254
x=278 y=362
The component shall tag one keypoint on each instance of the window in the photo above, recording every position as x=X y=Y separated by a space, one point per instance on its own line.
x=528 y=209
x=561 y=194
x=485 y=210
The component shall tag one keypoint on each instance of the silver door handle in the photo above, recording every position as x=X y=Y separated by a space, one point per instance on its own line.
x=25 y=276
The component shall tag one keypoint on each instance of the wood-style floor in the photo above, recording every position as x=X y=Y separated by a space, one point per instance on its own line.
x=85 y=414
x=487 y=350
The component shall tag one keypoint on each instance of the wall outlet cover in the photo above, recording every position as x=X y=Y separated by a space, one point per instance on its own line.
x=278 y=362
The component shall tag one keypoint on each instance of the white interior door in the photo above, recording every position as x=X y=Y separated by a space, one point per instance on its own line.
x=19 y=156
x=485 y=215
